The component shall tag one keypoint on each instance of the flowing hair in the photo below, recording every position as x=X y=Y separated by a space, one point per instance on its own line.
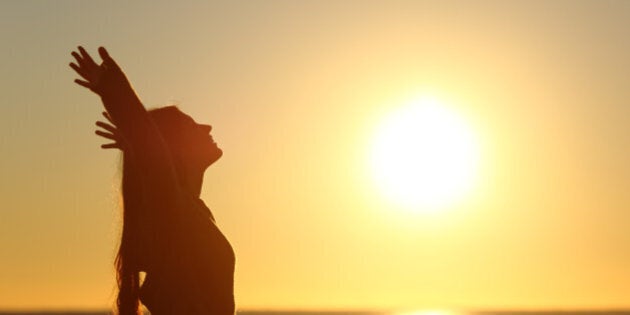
x=128 y=260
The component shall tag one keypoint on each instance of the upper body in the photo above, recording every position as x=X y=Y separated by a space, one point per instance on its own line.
x=168 y=232
x=197 y=272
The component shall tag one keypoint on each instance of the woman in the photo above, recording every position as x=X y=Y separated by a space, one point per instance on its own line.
x=168 y=232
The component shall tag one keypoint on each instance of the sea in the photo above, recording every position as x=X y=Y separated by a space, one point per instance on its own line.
x=405 y=312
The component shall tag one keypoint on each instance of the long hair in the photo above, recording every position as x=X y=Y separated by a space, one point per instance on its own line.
x=128 y=260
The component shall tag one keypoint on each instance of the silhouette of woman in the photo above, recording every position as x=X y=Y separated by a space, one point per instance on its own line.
x=168 y=232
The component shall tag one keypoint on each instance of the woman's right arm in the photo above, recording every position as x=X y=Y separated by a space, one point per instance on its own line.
x=132 y=120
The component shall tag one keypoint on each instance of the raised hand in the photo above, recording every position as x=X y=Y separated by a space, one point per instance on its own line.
x=97 y=77
x=111 y=133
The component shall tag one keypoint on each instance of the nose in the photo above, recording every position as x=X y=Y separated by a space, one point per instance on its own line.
x=206 y=128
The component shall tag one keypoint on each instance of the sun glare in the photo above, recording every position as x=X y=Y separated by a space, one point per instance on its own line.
x=427 y=312
x=424 y=156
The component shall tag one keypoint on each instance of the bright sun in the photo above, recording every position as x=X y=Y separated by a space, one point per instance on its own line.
x=424 y=156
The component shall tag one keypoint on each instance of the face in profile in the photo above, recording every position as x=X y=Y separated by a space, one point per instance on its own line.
x=198 y=145
x=190 y=143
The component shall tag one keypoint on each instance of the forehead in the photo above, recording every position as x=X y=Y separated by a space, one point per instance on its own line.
x=172 y=119
x=187 y=119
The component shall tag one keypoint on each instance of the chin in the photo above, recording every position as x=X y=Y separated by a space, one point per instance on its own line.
x=218 y=154
x=215 y=156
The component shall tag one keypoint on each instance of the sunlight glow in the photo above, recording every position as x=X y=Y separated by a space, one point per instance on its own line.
x=424 y=156
x=427 y=312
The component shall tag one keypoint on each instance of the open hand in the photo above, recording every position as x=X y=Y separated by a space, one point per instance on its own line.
x=94 y=75
x=111 y=133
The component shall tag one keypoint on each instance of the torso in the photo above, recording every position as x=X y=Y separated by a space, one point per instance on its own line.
x=197 y=274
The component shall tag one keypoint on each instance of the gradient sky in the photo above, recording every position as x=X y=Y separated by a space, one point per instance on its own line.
x=293 y=90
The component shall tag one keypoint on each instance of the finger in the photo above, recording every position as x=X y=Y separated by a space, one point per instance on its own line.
x=84 y=84
x=111 y=146
x=88 y=59
x=103 y=53
x=106 y=58
x=79 y=71
x=109 y=118
x=79 y=60
x=107 y=127
x=106 y=135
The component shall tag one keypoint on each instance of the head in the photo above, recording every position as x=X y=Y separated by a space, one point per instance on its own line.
x=191 y=145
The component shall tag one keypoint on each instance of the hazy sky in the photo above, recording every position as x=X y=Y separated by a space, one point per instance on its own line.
x=294 y=90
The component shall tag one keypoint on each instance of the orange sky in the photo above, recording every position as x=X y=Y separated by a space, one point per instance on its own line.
x=294 y=91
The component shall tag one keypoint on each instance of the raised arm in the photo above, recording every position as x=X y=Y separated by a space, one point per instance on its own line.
x=142 y=138
x=120 y=100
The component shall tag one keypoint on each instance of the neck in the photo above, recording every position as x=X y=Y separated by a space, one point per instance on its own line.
x=193 y=182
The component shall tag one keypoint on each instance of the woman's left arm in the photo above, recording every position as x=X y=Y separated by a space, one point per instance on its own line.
x=143 y=140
